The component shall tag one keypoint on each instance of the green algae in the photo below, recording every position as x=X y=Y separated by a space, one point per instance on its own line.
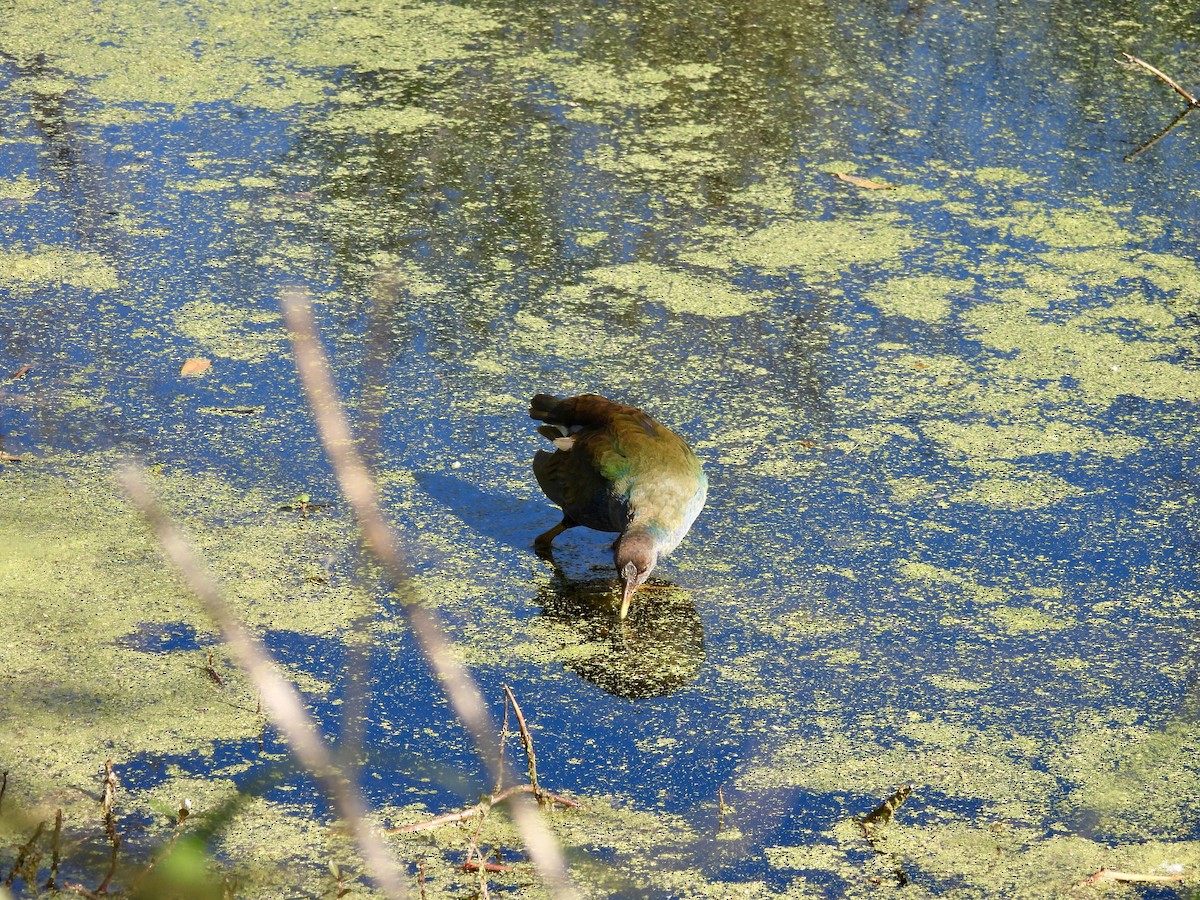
x=1011 y=488
x=251 y=55
x=978 y=442
x=374 y=121
x=927 y=298
x=230 y=330
x=1102 y=365
x=1129 y=780
x=79 y=562
x=589 y=82
x=1011 y=423
x=51 y=266
x=20 y=188
x=958 y=761
x=680 y=292
x=824 y=250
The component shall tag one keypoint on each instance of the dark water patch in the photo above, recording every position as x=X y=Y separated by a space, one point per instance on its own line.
x=165 y=637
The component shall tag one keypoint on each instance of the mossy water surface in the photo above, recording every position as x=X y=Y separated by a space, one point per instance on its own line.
x=949 y=427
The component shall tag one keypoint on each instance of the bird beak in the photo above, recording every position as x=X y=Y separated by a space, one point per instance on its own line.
x=631 y=584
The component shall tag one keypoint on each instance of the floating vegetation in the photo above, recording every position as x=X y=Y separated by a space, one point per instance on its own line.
x=938 y=356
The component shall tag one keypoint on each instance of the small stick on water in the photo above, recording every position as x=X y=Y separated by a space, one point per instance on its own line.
x=472 y=866
x=23 y=854
x=721 y=807
x=110 y=823
x=473 y=850
x=482 y=867
x=483 y=806
x=421 y=877
x=500 y=753
x=1170 y=82
x=211 y=671
x=526 y=741
x=112 y=862
x=877 y=819
x=55 y=852
x=110 y=799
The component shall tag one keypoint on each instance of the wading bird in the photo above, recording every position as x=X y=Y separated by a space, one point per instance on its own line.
x=616 y=469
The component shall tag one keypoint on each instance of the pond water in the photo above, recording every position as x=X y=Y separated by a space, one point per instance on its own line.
x=948 y=413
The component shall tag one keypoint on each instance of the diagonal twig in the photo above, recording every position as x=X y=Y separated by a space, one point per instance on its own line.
x=526 y=740
x=280 y=698
x=483 y=806
x=1174 y=85
x=362 y=492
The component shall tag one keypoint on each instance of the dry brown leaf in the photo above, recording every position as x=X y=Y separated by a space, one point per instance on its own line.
x=197 y=365
x=1115 y=875
x=861 y=182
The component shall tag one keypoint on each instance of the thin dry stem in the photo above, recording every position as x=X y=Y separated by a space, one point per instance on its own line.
x=280 y=698
x=55 y=852
x=110 y=787
x=484 y=806
x=112 y=862
x=500 y=753
x=526 y=739
x=361 y=491
x=23 y=854
x=1174 y=85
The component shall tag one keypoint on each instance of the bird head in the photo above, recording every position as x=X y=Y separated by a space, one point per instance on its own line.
x=636 y=555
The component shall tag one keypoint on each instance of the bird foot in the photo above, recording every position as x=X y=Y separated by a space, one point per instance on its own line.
x=541 y=543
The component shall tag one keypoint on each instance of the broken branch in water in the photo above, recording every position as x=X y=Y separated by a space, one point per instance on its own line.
x=27 y=850
x=472 y=866
x=484 y=806
x=1172 y=83
x=877 y=819
x=55 y=853
x=526 y=740
x=110 y=789
x=211 y=671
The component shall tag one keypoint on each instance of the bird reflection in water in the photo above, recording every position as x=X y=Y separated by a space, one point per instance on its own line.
x=657 y=650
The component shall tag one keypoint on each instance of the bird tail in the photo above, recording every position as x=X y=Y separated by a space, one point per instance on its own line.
x=544 y=407
x=586 y=410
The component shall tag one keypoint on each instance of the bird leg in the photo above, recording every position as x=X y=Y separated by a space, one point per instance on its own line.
x=541 y=543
